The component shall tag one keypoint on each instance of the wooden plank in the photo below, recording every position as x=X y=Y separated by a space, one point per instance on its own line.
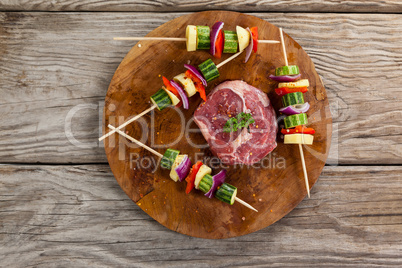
x=52 y=62
x=78 y=215
x=191 y=6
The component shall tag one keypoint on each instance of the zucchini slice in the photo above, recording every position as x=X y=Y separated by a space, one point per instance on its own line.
x=203 y=37
x=168 y=158
x=287 y=70
x=206 y=183
x=293 y=98
x=209 y=70
x=230 y=42
x=161 y=99
x=226 y=193
x=295 y=120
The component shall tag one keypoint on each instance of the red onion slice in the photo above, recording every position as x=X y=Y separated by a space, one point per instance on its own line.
x=296 y=109
x=249 y=48
x=196 y=73
x=218 y=180
x=285 y=78
x=182 y=94
x=214 y=35
x=184 y=168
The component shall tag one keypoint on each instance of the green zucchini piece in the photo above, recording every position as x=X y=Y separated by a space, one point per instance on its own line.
x=209 y=70
x=226 y=193
x=292 y=99
x=295 y=120
x=206 y=183
x=161 y=99
x=203 y=39
x=168 y=158
x=230 y=42
x=287 y=70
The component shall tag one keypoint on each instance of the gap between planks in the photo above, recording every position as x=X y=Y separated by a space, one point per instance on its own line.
x=106 y=163
x=184 y=12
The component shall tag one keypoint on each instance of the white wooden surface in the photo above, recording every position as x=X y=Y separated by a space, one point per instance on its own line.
x=60 y=205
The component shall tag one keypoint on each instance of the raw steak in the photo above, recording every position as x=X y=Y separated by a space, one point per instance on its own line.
x=248 y=145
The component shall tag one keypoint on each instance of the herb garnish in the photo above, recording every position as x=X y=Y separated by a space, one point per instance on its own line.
x=240 y=121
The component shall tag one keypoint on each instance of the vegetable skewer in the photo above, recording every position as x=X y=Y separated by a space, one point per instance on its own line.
x=215 y=39
x=295 y=107
x=183 y=98
x=222 y=191
x=176 y=39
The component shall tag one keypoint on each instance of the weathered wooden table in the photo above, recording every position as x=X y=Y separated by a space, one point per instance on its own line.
x=60 y=204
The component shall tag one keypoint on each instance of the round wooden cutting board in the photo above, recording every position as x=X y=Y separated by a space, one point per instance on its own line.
x=275 y=186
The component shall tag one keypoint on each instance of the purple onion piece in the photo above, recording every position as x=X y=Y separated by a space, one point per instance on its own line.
x=182 y=94
x=285 y=78
x=184 y=168
x=296 y=109
x=214 y=35
x=249 y=48
x=218 y=180
x=196 y=72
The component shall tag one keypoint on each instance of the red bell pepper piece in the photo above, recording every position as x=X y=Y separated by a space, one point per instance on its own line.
x=198 y=84
x=172 y=89
x=254 y=33
x=298 y=130
x=201 y=89
x=219 y=45
x=284 y=90
x=191 y=176
x=169 y=87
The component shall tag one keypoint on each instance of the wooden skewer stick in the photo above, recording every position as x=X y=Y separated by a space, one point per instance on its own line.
x=160 y=156
x=245 y=204
x=154 y=106
x=177 y=39
x=151 y=38
x=228 y=59
x=135 y=141
x=268 y=41
x=128 y=122
x=283 y=47
x=304 y=170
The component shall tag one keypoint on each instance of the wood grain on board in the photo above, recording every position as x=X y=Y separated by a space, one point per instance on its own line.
x=79 y=216
x=51 y=73
x=192 y=5
x=278 y=177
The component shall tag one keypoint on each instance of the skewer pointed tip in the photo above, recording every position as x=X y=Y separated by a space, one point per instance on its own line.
x=127 y=122
x=269 y=41
x=304 y=170
x=245 y=204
